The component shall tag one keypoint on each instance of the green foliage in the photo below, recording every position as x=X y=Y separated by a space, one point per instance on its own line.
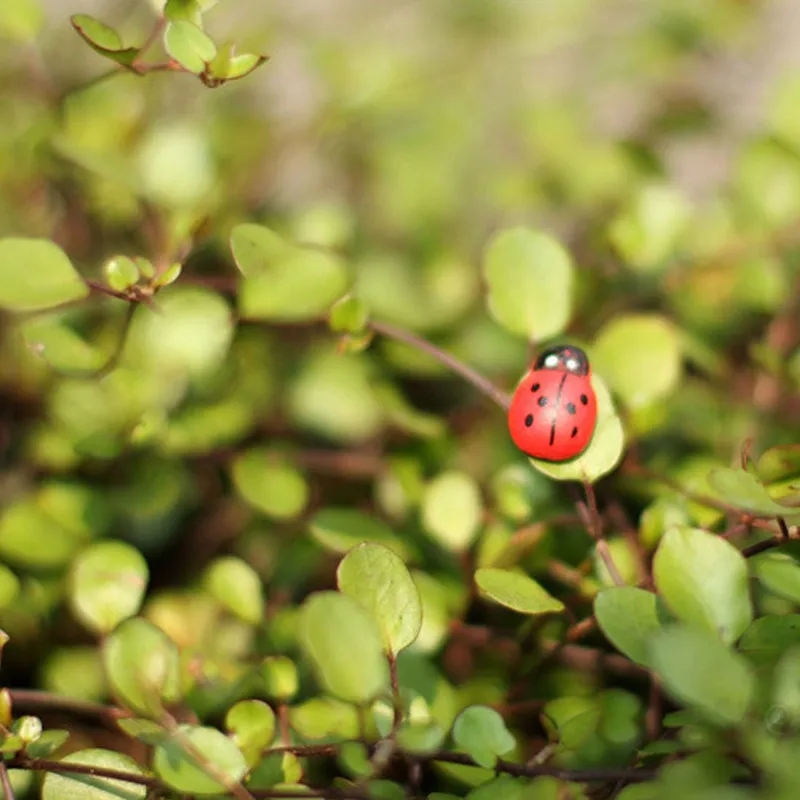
x=377 y=578
x=87 y=787
x=108 y=583
x=237 y=587
x=36 y=274
x=199 y=761
x=516 y=591
x=481 y=732
x=703 y=580
x=529 y=277
x=344 y=645
x=263 y=529
x=701 y=671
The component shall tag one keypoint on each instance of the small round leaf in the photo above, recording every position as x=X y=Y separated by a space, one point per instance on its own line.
x=344 y=645
x=191 y=47
x=516 y=591
x=529 y=277
x=482 y=733
x=199 y=760
x=452 y=510
x=72 y=786
x=378 y=579
x=107 y=585
x=629 y=617
x=639 y=355
x=143 y=666
x=237 y=586
x=699 y=670
x=703 y=580
x=36 y=274
x=276 y=489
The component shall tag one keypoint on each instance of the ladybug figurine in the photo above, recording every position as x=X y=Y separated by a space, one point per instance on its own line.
x=553 y=413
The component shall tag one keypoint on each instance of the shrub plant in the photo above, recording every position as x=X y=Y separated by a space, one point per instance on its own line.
x=263 y=530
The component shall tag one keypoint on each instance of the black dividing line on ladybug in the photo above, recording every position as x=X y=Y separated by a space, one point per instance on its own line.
x=555 y=415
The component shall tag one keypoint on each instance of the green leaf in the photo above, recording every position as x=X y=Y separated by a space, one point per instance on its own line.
x=378 y=579
x=280 y=677
x=779 y=463
x=121 y=273
x=780 y=573
x=604 y=451
x=9 y=586
x=143 y=666
x=228 y=66
x=571 y=721
x=334 y=396
x=71 y=786
x=107 y=584
x=422 y=738
x=639 y=355
x=699 y=670
x=31 y=537
x=47 y=743
x=703 y=580
x=251 y=724
x=103 y=40
x=36 y=274
x=529 y=277
x=629 y=617
x=481 y=732
x=648 y=231
x=301 y=286
x=743 y=490
x=516 y=591
x=188 y=10
x=452 y=510
x=276 y=489
x=60 y=346
x=769 y=637
x=199 y=760
x=344 y=645
x=349 y=315
x=341 y=529
x=191 y=47
x=236 y=586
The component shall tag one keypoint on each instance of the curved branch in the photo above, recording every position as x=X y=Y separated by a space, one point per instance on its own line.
x=481 y=383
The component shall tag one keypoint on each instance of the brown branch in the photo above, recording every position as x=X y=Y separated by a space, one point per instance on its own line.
x=481 y=383
x=30 y=700
x=5 y=783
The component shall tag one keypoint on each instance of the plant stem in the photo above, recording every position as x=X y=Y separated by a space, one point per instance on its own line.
x=481 y=383
x=8 y=789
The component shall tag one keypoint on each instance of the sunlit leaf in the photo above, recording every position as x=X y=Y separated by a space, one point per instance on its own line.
x=529 y=276
x=378 y=579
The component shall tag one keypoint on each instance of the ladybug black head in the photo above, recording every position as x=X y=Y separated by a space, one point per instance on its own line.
x=563 y=357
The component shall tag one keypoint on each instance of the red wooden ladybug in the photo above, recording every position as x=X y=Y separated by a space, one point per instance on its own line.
x=554 y=409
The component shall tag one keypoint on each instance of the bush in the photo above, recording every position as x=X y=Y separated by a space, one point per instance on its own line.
x=265 y=532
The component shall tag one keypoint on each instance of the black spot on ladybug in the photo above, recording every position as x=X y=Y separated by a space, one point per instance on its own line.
x=529 y=420
x=584 y=399
x=571 y=408
x=535 y=387
x=542 y=401
x=574 y=433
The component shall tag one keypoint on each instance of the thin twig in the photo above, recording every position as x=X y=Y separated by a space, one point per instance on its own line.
x=30 y=700
x=8 y=789
x=481 y=383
